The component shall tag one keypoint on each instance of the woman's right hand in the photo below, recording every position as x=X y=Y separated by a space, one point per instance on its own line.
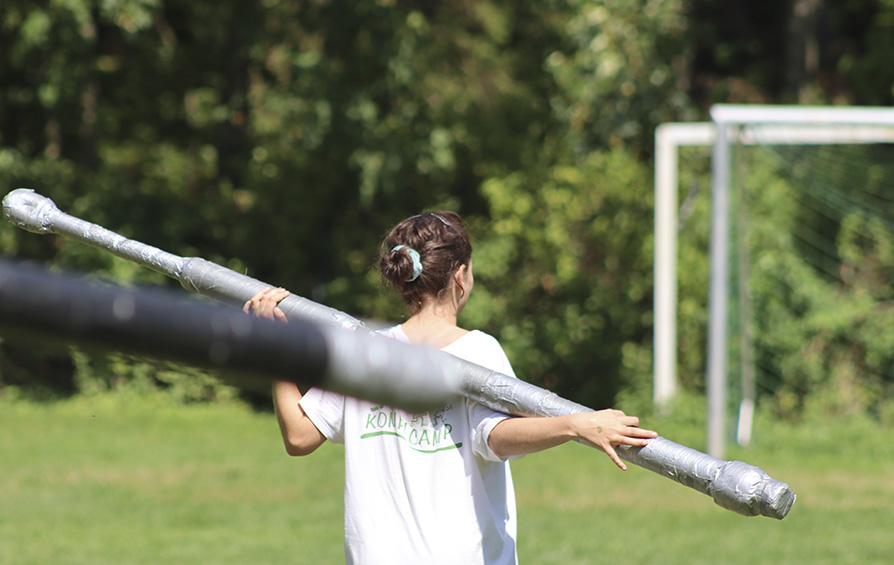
x=607 y=429
x=264 y=304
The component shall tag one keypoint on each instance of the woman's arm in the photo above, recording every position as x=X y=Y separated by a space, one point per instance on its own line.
x=604 y=429
x=299 y=434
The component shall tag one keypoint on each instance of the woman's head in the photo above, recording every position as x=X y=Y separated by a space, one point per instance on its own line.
x=442 y=244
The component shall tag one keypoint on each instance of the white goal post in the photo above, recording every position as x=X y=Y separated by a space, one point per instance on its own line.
x=747 y=125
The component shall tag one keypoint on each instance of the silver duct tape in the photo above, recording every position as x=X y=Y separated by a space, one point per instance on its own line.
x=38 y=214
x=225 y=285
x=733 y=485
x=513 y=396
x=29 y=210
x=740 y=487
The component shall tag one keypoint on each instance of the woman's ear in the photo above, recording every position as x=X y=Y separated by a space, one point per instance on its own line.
x=459 y=275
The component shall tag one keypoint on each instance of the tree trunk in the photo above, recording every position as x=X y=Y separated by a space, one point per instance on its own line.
x=802 y=50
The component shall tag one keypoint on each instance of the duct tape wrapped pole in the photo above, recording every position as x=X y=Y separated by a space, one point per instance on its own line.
x=733 y=485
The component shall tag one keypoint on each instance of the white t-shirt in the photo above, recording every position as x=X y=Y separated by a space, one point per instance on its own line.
x=423 y=488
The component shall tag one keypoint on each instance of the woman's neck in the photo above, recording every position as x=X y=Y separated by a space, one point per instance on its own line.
x=433 y=325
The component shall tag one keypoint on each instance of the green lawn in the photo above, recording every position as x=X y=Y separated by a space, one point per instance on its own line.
x=111 y=481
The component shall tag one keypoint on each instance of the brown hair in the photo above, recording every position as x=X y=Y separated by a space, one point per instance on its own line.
x=442 y=241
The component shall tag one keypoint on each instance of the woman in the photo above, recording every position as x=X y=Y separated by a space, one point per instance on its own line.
x=435 y=487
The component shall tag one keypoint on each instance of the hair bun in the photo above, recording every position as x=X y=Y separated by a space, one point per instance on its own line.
x=438 y=237
x=414 y=257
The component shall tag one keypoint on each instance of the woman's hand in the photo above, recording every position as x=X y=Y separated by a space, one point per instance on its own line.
x=264 y=304
x=604 y=430
x=607 y=429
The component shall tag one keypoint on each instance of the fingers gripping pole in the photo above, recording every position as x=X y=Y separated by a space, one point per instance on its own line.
x=733 y=485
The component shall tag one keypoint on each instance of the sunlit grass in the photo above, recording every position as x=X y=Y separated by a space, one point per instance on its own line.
x=111 y=480
x=93 y=481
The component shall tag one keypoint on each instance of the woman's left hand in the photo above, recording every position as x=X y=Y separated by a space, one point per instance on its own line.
x=264 y=304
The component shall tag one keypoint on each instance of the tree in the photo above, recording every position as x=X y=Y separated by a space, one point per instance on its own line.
x=566 y=260
x=283 y=138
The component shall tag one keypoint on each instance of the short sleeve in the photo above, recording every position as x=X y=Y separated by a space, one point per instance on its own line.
x=327 y=412
x=483 y=421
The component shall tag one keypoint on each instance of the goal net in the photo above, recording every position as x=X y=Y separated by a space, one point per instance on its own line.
x=801 y=217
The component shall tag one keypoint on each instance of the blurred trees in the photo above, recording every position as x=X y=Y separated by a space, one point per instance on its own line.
x=284 y=137
x=570 y=248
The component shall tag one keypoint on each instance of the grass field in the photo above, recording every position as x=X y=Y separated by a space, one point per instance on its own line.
x=112 y=480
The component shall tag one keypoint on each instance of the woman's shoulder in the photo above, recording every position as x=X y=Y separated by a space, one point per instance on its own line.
x=482 y=349
x=475 y=339
x=394 y=332
x=482 y=337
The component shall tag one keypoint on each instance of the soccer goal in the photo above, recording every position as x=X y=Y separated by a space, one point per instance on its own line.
x=734 y=127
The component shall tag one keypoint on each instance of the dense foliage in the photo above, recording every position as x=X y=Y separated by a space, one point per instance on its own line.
x=284 y=137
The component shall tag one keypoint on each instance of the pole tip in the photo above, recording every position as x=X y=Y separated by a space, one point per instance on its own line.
x=749 y=491
x=777 y=499
x=29 y=210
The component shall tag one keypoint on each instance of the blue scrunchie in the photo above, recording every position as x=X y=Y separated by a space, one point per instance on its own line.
x=417 y=263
